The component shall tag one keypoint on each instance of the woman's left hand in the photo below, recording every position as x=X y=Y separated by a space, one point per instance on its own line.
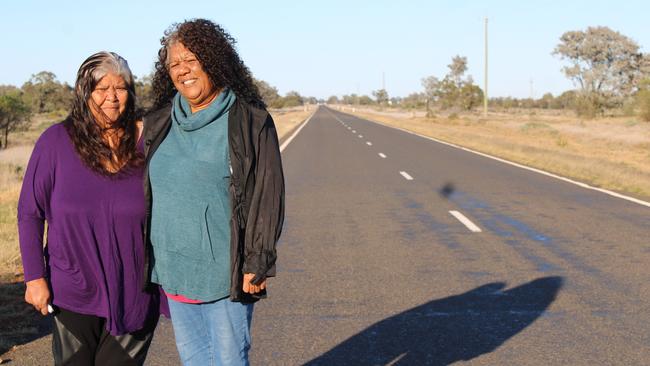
x=37 y=293
x=249 y=287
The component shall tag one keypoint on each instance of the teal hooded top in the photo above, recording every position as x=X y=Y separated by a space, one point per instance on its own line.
x=190 y=222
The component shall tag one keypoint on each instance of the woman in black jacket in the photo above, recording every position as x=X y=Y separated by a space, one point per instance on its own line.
x=215 y=192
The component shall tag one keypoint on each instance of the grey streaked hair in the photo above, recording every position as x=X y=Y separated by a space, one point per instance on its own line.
x=95 y=67
x=91 y=71
x=84 y=129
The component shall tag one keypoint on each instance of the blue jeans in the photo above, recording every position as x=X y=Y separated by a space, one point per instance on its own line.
x=214 y=333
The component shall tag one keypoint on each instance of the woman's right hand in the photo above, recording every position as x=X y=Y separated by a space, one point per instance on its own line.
x=38 y=294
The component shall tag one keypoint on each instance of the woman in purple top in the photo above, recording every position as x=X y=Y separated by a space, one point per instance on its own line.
x=84 y=179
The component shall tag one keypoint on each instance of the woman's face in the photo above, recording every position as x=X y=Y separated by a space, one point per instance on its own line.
x=188 y=77
x=109 y=96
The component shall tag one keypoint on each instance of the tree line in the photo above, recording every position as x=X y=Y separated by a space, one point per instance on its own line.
x=610 y=73
x=43 y=93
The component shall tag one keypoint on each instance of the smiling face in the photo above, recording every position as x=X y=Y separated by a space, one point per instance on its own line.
x=109 y=98
x=189 y=77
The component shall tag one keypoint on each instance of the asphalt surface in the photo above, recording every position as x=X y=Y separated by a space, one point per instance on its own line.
x=375 y=270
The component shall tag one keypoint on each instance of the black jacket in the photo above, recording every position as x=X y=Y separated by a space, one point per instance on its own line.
x=256 y=192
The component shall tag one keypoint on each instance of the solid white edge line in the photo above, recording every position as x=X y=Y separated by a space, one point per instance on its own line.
x=406 y=175
x=382 y=155
x=465 y=221
x=539 y=171
x=286 y=143
x=396 y=359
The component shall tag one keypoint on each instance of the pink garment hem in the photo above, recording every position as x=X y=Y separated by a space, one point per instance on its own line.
x=181 y=298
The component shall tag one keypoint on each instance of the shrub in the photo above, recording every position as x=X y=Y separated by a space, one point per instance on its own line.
x=643 y=104
x=587 y=106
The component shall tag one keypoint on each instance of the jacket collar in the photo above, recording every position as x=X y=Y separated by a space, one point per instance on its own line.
x=155 y=120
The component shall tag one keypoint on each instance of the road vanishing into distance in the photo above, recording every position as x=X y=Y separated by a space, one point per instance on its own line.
x=399 y=250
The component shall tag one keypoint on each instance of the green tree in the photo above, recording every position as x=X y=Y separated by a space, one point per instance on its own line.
x=431 y=86
x=44 y=93
x=448 y=94
x=268 y=93
x=454 y=90
x=333 y=100
x=350 y=99
x=144 y=92
x=381 y=96
x=293 y=99
x=6 y=89
x=457 y=70
x=414 y=100
x=365 y=100
x=566 y=100
x=14 y=113
x=642 y=100
x=546 y=101
x=470 y=96
x=605 y=65
x=503 y=102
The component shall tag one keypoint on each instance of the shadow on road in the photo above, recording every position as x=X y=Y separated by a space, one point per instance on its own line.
x=19 y=322
x=444 y=331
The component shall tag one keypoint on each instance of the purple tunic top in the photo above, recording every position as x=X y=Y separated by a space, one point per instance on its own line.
x=94 y=255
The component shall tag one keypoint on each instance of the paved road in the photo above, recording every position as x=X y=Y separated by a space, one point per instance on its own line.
x=375 y=270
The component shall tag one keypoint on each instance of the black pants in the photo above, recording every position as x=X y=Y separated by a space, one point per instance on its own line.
x=79 y=339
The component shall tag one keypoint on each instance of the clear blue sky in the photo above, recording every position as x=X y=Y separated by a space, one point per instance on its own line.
x=323 y=48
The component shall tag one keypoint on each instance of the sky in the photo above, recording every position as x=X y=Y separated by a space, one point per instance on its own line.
x=324 y=48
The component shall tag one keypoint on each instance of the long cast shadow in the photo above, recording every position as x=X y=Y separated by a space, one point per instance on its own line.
x=452 y=329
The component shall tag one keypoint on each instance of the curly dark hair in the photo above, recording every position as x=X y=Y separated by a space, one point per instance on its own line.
x=215 y=50
x=86 y=133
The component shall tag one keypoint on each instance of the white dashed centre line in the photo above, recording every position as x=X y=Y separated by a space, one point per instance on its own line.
x=354 y=131
x=360 y=136
x=406 y=175
x=382 y=155
x=465 y=221
x=368 y=143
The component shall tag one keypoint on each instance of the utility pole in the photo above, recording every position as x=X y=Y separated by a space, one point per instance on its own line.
x=485 y=89
x=383 y=80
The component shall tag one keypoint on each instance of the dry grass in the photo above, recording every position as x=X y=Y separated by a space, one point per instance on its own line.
x=12 y=167
x=17 y=318
x=13 y=162
x=612 y=153
x=288 y=119
x=9 y=253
